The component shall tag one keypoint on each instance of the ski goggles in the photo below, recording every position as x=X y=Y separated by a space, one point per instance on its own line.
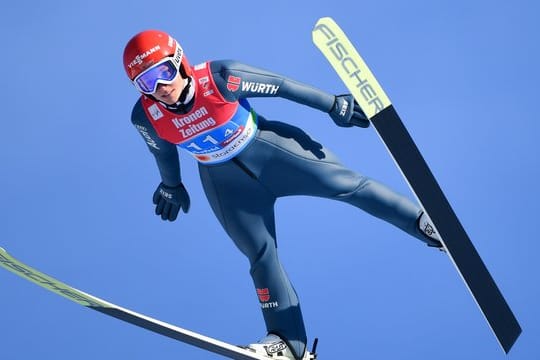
x=164 y=72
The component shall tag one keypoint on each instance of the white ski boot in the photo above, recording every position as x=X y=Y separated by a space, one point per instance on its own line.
x=426 y=227
x=274 y=347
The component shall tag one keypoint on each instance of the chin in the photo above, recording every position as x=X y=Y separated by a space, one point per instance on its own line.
x=169 y=101
x=166 y=100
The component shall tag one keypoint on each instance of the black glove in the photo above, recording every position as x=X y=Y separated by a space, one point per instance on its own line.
x=169 y=200
x=346 y=112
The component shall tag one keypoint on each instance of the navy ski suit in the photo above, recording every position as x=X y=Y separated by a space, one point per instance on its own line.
x=276 y=160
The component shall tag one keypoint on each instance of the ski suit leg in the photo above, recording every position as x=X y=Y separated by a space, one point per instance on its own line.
x=289 y=162
x=282 y=161
x=245 y=208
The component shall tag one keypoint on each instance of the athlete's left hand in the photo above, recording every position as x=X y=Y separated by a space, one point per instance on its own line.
x=346 y=112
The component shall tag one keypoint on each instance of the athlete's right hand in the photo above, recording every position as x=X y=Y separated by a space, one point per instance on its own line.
x=169 y=200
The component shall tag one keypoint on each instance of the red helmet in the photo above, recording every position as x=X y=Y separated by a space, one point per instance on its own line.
x=148 y=48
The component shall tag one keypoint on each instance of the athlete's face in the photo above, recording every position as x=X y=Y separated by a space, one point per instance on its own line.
x=169 y=93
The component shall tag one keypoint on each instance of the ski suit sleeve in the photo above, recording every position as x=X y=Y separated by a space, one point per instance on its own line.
x=165 y=153
x=236 y=80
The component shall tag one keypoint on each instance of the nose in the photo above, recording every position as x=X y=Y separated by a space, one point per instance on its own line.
x=160 y=86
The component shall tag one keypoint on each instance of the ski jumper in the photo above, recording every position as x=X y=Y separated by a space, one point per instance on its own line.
x=242 y=160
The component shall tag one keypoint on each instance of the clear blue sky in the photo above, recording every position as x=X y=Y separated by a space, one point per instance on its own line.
x=77 y=180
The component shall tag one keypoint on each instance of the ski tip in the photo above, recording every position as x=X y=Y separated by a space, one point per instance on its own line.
x=325 y=19
x=3 y=250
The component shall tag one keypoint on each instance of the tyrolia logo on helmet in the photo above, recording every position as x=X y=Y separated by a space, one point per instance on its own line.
x=139 y=58
x=178 y=54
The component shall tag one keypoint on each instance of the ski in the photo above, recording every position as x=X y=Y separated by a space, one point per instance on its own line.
x=92 y=302
x=360 y=81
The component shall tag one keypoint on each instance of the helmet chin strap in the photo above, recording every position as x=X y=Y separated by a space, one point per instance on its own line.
x=187 y=93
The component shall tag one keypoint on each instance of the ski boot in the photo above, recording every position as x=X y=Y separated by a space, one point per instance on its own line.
x=426 y=227
x=276 y=348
